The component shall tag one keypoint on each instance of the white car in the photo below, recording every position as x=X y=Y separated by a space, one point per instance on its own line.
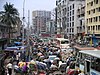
x=52 y=57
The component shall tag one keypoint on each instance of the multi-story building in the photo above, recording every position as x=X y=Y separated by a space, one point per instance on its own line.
x=50 y=27
x=92 y=17
x=81 y=21
x=71 y=28
x=67 y=16
x=39 y=20
x=61 y=16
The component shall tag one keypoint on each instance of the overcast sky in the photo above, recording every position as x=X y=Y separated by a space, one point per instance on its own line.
x=30 y=5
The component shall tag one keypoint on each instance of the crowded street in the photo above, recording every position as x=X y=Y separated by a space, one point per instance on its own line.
x=49 y=37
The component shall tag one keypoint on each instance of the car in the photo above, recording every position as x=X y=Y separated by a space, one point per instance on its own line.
x=52 y=57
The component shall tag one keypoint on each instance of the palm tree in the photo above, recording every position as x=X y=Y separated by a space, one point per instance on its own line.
x=9 y=16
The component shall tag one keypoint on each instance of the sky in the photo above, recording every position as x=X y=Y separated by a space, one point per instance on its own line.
x=31 y=5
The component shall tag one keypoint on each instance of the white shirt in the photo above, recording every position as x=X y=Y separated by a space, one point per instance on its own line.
x=81 y=74
x=9 y=65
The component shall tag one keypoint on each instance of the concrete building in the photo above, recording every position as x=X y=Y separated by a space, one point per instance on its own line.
x=81 y=21
x=71 y=28
x=40 y=18
x=61 y=16
x=50 y=27
x=92 y=17
x=67 y=17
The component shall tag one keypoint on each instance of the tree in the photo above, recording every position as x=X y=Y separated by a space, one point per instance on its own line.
x=9 y=16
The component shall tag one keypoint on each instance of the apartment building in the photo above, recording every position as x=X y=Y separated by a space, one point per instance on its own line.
x=81 y=21
x=61 y=16
x=92 y=17
x=67 y=16
x=40 y=17
x=50 y=27
x=72 y=24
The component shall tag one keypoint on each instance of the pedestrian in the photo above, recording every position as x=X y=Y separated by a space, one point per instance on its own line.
x=9 y=68
x=81 y=73
x=17 y=58
x=25 y=69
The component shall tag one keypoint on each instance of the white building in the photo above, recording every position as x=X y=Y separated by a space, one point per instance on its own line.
x=50 y=27
x=67 y=16
x=71 y=28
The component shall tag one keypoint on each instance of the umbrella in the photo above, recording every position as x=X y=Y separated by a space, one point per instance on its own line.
x=41 y=66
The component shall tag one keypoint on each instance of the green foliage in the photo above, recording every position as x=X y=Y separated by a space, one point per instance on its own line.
x=10 y=15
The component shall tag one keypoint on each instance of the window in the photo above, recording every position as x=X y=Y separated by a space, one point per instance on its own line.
x=91 y=20
x=89 y=12
x=96 y=19
x=93 y=27
x=72 y=24
x=73 y=12
x=88 y=27
x=98 y=27
x=72 y=29
x=93 y=10
x=70 y=13
x=92 y=3
x=70 y=7
x=81 y=22
x=73 y=6
x=72 y=18
x=96 y=1
x=87 y=20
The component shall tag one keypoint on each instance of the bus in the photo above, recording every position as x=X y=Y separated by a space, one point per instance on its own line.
x=89 y=61
x=62 y=43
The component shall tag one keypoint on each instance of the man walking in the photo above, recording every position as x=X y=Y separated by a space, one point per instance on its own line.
x=9 y=67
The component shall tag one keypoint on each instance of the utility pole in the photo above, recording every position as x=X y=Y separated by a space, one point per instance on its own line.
x=23 y=23
x=28 y=35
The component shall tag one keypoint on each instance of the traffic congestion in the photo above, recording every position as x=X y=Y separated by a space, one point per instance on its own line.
x=45 y=58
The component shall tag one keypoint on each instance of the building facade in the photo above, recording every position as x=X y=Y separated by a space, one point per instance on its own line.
x=81 y=21
x=67 y=17
x=50 y=27
x=72 y=24
x=92 y=21
x=39 y=20
x=61 y=16
x=92 y=17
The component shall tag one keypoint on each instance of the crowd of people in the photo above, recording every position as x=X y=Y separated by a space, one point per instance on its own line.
x=40 y=63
